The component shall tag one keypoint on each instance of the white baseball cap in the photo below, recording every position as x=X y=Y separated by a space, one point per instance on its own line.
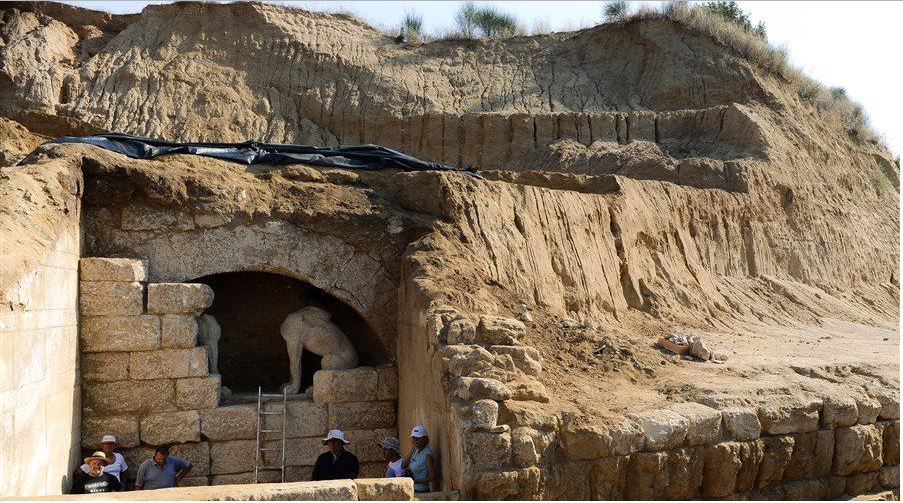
x=337 y=434
x=108 y=438
x=418 y=431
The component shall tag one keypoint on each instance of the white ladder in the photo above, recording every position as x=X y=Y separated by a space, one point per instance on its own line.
x=263 y=429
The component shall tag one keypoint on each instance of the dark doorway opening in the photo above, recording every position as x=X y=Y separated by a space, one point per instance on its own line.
x=251 y=306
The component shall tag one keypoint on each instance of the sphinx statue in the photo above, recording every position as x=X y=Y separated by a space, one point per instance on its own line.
x=309 y=328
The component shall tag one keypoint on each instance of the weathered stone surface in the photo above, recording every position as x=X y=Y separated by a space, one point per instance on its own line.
x=168 y=363
x=704 y=423
x=197 y=453
x=195 y=481
x=355 y=385
x=105 y=366
x=803 y=458
x=487 y=450
x=776 y=455
x=526 y=359
x=862 y=483
x=171 y=427
x=365 y=443
x=178 y=298
x=721 y=466
x=130 y=397
x=463 y=360
x=498 y=330
x=530 y=414
x=839 y=410
x=372 y=470
x=824 y=453
x=857 y=449
x=135 y=456
x=529 y=390
x=196 y=393
x=663 y=429
x=802 y=490
x=889 y=477
x=108 y=298
x=461 y=330
x=582 y=441
x=143 y=217
x=509 y=484
x=233 y=456
x=306 y=419
x=568 y=480
x=304 y=451
x=234 y=422
x=120 y=333
x=868 y=409
x=523 y=450
x=386 y=383
x=741 y=424
x=609 y=478
x=298 y=473
x=476 y=388
x=382 y=489
x=751 y=455
x=481 y=414
x=112 y=269
x=891 y=443
x=178 y=331
x=361 y=415
x=784 y=414
x=674 y=474
x=125 y=428
x=890 y=402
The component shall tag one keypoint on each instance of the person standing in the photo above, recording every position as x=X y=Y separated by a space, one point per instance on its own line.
x=336 y=463
x=394 y=461
x=420 y=461
x=162 y=470
x=116 y=465
x=95 y=480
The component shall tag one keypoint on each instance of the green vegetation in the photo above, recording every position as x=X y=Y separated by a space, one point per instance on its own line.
x=488 y=21
x=614 y=11
x=412 y=26
x=731 y=12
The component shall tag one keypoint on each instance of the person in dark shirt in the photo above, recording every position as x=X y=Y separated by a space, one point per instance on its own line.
x=336 y=463
x=95 y=480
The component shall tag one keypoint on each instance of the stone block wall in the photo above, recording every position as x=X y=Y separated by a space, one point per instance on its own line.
x=39 y=386
x=146 y=381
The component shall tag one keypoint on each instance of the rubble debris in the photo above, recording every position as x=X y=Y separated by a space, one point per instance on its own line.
x=690 y=348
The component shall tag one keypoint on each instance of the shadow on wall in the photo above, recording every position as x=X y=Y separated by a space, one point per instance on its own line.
x=251 y=306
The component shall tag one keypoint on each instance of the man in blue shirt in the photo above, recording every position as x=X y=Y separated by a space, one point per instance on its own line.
x=162 y=470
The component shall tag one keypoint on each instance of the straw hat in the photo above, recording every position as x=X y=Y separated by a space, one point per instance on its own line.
x=98 y=455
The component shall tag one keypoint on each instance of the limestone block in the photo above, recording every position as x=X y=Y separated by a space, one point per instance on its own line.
x=498 y=330
x=568 y=480
x=247 y=478
x=178 y=331
x=803 y=458
x=889 y=477
x=857 y=449
x=721 y=465
x=387 y=383
x=112 y=269
x=487 y=450
x=120 y=333
x=890 y=403
x=824 y=453
x=804 y=490
x=583 y=441
x=839 y=410
x=306 y=419
x=529 y=390
x=135 y=456
x=125 y=428
x=609 y=479
x=234 y=456
x=194 y=482
x=104 y=366
x=460 y=331
x=304 y=451
x=862 y=483
x=476 y=388
x=298 y=473
x=197 y=453
x=130 y=397
x=110 y=298
x=234 y=422
x=776 y=456
x=662 y=429
x=674 y=474
x=530 y=414
x=868 y=409
x=520 y=484
x=171 y=363
x=481 y=414
x=463 y=360
x=780 y=415
x=704 y=423
x=526 y=358
x=355 y=385
x=141 y=217
x=891 y=443
x=365 y=443
x=382 y=489
x=196 y=393
x=178 y=298
x=361 y=415
x=751 y=455
x=741 y=424
x=372 y=470
x=523 y=450
x=171 y=427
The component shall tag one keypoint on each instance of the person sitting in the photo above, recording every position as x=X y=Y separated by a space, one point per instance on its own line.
x=420 y=461
x=336 y=463
x=116 y=465
x=391 y=446
x=162 y=470
x=95 y=480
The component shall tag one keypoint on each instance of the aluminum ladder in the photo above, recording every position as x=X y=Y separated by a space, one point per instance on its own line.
x=263 y=428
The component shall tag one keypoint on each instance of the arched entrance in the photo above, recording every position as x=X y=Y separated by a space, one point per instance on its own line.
x=251 y=306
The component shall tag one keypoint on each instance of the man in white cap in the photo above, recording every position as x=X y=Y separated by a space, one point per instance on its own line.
x=116 y=465
x=95 y=480
x=336 y=463
x=391 y=446
x=420 y=461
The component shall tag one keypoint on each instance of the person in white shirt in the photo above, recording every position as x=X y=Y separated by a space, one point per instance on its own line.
x=116 y=465
x=390 y=446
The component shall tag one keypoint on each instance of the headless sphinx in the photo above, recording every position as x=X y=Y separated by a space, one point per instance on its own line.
x=309 y=329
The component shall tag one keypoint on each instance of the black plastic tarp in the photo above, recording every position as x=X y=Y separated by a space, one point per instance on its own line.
x=369 y=157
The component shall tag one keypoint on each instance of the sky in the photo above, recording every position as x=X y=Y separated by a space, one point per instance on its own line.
x=841 y=44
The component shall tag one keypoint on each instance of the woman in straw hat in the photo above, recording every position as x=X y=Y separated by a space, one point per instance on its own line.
x=95 y=480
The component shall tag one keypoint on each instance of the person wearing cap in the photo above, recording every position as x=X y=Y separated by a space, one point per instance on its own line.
x=420 y=461
x=336 y=463
x=391 y=446
x=95 y=480
x=162 y=470
x=116 y=465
